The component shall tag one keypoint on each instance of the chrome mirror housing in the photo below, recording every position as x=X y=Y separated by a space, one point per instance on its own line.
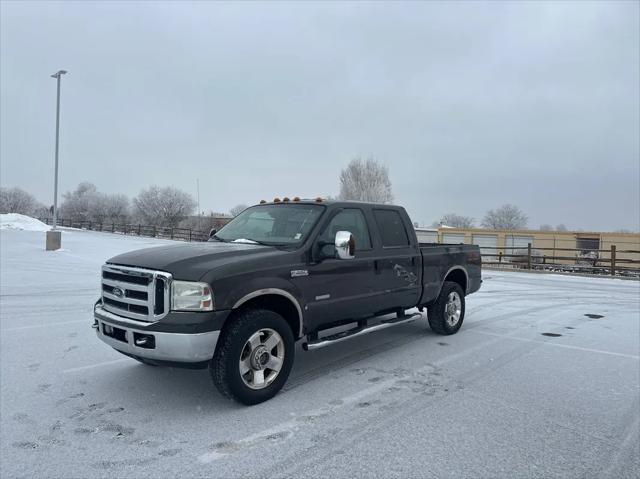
x=345 y=245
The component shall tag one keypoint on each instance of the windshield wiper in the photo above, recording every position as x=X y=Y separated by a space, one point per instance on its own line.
x=245 y=241
x=251 y=241
x=217 y=238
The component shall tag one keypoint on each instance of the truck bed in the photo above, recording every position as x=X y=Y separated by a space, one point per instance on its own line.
x=442 y=259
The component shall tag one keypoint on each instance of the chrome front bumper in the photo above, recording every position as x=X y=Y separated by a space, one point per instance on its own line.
x=139 y=341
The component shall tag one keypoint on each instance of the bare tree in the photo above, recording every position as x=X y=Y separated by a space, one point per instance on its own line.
x=237 y=209
x=366 y=181
x=454 y=220
x=109 y=208
x=163 y=206
x=507 y=217
x=42 y=211
x=561 y=227
x=87 y=203
x=78 y=204
x=16 y=200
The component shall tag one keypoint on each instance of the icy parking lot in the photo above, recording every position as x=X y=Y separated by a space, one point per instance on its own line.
x=541 y=381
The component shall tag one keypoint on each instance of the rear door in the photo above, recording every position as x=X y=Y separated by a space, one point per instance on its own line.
x=398 y=260
x=342 y=288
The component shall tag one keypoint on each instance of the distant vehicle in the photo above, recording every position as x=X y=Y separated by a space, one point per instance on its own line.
x=280 y=272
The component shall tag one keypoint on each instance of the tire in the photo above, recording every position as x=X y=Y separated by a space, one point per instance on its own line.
x=446 y=313
x=257 y=342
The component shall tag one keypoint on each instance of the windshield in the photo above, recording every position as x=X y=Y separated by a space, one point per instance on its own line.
x=280 y=224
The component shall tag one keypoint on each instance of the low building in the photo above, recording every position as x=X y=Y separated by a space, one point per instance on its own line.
x=563 y=247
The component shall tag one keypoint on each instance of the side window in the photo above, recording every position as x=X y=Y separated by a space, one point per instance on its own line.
x=349 y=220
x=391 y=228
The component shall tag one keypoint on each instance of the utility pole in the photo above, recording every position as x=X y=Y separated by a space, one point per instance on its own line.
x=54 y=236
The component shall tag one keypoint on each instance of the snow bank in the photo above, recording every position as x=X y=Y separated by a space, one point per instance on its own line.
x=15 y=221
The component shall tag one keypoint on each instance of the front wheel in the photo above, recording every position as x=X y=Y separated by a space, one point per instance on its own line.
x=254 y=357
x=447 y=312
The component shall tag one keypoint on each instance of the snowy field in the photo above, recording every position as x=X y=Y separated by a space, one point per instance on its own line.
x=499 y=399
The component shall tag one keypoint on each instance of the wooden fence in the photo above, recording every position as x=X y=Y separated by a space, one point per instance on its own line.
x=561 y=260
x=529 y=258
x=182 y=234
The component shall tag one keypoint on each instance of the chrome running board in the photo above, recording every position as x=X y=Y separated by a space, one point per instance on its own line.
x=358 y=331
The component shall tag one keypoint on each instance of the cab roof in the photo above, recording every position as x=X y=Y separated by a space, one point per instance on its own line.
x=322 y=201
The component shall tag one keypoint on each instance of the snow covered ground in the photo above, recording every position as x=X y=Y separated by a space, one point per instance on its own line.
x=499 y=399
x=15 y=221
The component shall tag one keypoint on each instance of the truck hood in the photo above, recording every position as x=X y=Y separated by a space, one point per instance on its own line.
x=192 y=260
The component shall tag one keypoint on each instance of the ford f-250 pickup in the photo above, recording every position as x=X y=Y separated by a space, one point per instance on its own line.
x=279 y=272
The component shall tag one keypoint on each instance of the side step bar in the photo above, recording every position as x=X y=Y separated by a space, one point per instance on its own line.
x=358 y=331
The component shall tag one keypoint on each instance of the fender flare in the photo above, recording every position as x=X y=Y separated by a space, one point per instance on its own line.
x=454 y=268
x=277 y=291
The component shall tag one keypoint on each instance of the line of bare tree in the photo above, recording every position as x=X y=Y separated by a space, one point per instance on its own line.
x=368 y=180
x=154 y=206
x=17 y=200
x=361 y=180
x=505 y=217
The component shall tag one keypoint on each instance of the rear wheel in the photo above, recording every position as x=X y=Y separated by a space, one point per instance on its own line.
x=254 y=357
x=447 y=312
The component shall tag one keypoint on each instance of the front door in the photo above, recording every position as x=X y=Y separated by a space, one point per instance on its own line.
x=340 y=289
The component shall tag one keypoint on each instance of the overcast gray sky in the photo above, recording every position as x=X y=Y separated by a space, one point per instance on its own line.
x=470 y=104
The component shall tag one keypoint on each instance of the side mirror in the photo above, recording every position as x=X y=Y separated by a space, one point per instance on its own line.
x=212 y=232
x=345 y=245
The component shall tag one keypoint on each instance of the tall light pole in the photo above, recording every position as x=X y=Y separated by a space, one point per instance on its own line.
x=57 y=76
x=198 y=188
x=53 y=239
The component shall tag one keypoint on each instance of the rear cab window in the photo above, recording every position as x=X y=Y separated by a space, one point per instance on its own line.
x=392 y=229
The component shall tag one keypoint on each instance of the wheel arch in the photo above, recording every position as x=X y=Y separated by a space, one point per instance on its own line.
x=457 y=274
x=277 y=300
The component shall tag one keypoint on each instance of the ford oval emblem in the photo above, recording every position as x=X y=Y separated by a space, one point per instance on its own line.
x=118 y=292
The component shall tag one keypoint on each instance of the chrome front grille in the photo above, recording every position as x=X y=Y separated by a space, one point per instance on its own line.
x=135 y=293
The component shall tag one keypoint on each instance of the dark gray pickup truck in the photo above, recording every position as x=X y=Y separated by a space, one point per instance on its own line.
x=280 y=272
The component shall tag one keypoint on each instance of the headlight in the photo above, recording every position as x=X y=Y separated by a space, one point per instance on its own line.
x=191 y=296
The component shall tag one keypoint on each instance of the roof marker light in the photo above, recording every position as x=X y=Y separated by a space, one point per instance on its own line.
x=276 y=200
x=318 y=200
x=262 y=202
x=296 y=198
x=286 y=199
